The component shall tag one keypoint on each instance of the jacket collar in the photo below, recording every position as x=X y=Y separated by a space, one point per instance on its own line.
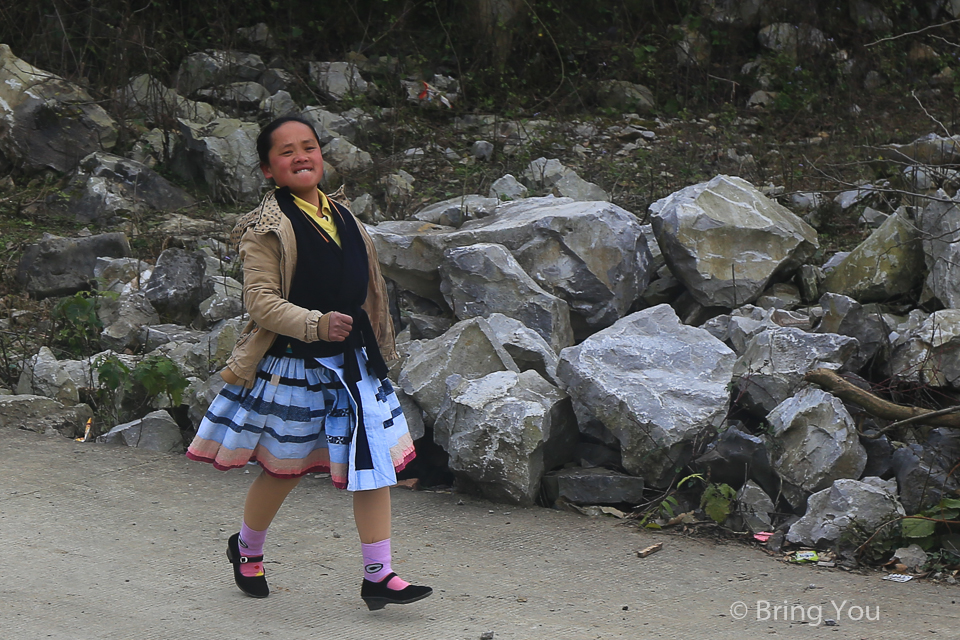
x=266 y=217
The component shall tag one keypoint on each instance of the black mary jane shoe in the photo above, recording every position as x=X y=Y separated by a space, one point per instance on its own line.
x=256 y=586
x=376 y=595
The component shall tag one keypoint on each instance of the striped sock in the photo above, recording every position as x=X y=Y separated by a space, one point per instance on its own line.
x=376 y=564
x=251 y=544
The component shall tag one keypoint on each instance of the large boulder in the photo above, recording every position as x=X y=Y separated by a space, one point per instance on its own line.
x=653 y=383
x=593 y=486
x=593 y=255
x=940 y=223
x=772 y=367
x=410 y=254
x=338 y=80
x=626 y=97
x=62 y=266
x=503 y=431
x=106 y=185
x=845 y=316
x=527 y=348
x=44 y=415
x=848 y=506
x=226 y=301
x=224 y=153
x=815 y=442
x=887 y=264
x=43 y=375
x=923 y=472
x=147 y=97
x=346 y=156
x=469 y=349
x=156 y=431
x=455 y=211
x=178 y=285
x=212 y=67
x=736 y=455
x=122 y=327
x=485 y=278
x=47 y=122
x=727 y=242
x=929 y=354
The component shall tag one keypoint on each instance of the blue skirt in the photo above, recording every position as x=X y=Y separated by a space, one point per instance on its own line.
x=302 y=417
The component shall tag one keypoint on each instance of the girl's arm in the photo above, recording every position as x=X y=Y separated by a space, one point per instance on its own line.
x=263 y=295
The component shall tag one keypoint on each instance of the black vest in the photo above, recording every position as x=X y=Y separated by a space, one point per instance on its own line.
x=328 y=278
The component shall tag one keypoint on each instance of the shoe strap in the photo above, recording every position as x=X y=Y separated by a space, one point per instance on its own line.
x=246 y=559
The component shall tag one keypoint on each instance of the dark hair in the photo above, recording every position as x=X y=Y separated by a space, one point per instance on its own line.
x=265 y=139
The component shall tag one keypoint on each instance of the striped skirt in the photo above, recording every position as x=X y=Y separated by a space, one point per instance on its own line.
x=301 y=417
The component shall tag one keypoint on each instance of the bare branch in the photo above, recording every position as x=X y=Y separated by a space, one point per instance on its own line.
x=912 y=33
x=945 y=130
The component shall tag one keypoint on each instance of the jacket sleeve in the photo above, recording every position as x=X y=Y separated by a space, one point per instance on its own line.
x=377 y=305
x=263 y=294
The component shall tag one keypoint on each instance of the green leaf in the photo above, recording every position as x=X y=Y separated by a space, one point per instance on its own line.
x=918 y=527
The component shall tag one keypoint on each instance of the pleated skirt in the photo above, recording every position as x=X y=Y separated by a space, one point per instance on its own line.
x=302 y=417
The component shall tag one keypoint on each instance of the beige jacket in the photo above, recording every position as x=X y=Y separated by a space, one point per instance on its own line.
x=268 y=251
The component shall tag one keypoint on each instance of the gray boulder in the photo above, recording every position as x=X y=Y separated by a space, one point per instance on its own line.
x=626 y=97
x=774 y=363
x=224 y=153
x=346 y=156
x=330 y=126
x=593 y=255
x=846 y=506
x=152 y=337
x=455 y=211
x=923 y=471
x=562 y=182
x=755 y=507
x=816 y=443
x=278 y=105
x=727 y=242
x=199 y=395
x=204 y=357
x=43 y=375
x=469 y=349
x=106 y=185
x=178 y=285
x=929 y=353
x=502 y=431
x=654 y=384
x=47 y=122
x=507 y=188
x=337 y=80
x=156 y=431
x=482 y=279
x=932 y=149
x=940 y=223
x=793 y=41
x=736 y=455
x=209 y=68
x=147 y=97
x=226 y=301
x=593 y=486
x=410 y=253
x=868 y=16
x=44 y=415
x=123 y=326
x=240 y=96
x=527 y=348
x=845 y=316
x=887 y=264
x=62 y=266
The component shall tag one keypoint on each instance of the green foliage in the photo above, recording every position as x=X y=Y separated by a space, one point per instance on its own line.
x=159 y=374
x=123 y=391
x=928 y=526
x=76 y=324
x=717 y=501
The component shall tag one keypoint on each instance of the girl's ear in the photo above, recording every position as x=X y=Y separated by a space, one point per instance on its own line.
x=266 y=171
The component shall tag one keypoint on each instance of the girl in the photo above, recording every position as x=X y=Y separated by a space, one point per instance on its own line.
x=307 y=386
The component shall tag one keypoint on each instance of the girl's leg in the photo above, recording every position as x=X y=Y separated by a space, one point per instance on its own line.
x=371 y=510
x=264 y=498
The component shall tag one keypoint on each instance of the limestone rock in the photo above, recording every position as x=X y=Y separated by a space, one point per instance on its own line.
x=527 y=348
x=482 y=279
x=846 y=504
x=654 y=384
x=502 y=431
x=923 y=471
x=626 y=97
x=178 y=285
x=940 y=224
x=932 y=149
x=929 y=354
x=469 y=349
x=199 y=395
x=727 y=242
x=44 y=376
x=736 y=455
x=45 y=121
x=337 y=80
x=593 y=486
x=410 y=253
x=755 y=507
x=210 y=68
x=156 y=431
x=866 y=323
x=62 y=266
x=507 y=188
x=889 y=263
x=774 y=363
x=224 y=153
x=345 y=156
x=455 y=211
x=794 y=41
x=817 y=443
x=123 y=331
x=226 y=301
x=242 y=96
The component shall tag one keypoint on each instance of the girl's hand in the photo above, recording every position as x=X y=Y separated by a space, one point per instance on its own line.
x=340 y=326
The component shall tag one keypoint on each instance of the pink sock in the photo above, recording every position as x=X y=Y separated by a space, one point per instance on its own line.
x=376 y=564
x=251 y=544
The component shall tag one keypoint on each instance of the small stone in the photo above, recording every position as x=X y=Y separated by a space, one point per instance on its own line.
x=830 y=622
x=486 y=635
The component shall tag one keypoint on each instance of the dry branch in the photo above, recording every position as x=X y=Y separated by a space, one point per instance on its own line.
x=876 y=406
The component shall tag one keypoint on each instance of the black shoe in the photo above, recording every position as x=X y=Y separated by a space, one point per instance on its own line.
x=255 y=587
x=376 y=595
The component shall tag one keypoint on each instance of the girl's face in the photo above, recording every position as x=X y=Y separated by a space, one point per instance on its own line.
x=294 y=159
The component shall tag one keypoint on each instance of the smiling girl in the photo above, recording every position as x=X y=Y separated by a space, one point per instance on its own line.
x=307 y=388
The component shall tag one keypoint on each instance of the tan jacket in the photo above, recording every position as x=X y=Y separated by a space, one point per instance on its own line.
x=268 y=251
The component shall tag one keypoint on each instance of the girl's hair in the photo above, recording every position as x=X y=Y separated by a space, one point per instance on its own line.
x=265 y=139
